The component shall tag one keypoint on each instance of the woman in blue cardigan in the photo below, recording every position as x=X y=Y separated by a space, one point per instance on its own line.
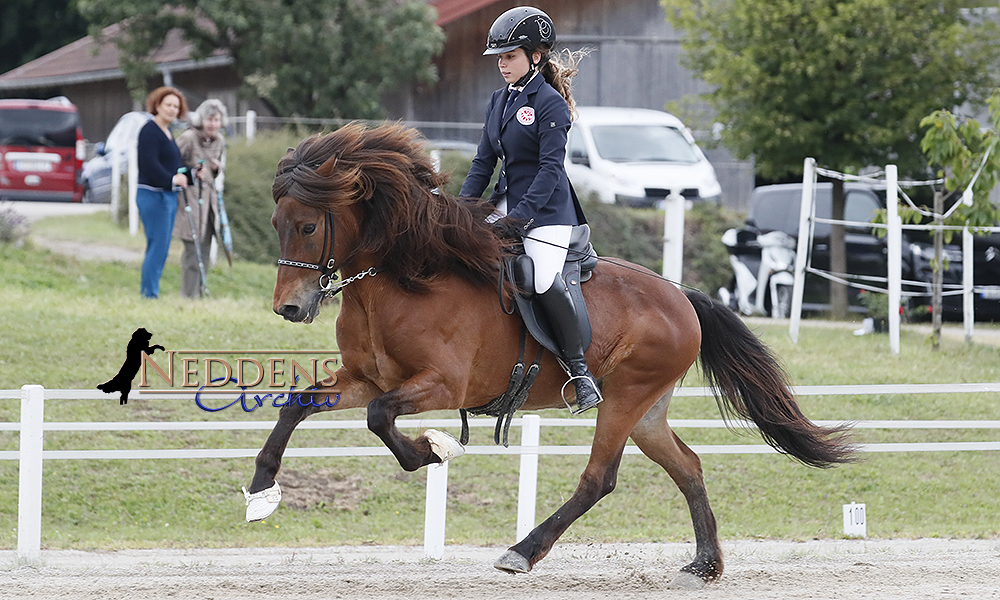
x=159 y=163
x=526 y=126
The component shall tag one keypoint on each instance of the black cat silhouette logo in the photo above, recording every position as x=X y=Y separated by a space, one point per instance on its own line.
x=122 y=382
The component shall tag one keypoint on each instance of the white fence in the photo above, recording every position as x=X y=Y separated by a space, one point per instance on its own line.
x=32 y=426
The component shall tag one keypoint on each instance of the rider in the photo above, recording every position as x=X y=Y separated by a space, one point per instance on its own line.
x=526 y=126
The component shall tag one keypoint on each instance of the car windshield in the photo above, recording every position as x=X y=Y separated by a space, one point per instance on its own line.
x=34 y=127
x=778 y=209
x=642 y=143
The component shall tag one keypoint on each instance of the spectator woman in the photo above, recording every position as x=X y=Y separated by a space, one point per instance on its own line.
x=159 y=175
x=202 y=149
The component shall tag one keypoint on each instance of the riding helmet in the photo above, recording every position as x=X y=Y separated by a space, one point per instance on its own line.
x=522 y=27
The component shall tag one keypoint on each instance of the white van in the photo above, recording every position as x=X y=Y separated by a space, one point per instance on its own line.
x=635 y=157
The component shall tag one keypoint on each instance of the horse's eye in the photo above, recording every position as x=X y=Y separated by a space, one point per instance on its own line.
x=309 y=229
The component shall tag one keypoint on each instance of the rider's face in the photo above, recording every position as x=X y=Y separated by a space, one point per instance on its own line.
x=513 y=65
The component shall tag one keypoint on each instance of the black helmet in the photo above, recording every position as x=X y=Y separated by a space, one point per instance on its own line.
x=522 y=27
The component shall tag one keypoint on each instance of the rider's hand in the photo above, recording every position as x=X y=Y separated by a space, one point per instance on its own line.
x=508 y=229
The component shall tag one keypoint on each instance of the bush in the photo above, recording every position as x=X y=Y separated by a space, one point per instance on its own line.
x=14 y=227
x=250 y=170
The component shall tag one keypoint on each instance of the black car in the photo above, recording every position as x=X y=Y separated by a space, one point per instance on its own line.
x=777 y=207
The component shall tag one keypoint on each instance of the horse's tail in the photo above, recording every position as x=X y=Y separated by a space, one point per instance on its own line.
x=747 y=381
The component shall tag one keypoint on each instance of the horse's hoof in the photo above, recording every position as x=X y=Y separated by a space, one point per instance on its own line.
x=261 y=504
x=512 y=562
x=686 y=581
x=444 y=445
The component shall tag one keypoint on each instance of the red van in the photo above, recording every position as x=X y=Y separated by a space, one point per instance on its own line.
x=41 y=150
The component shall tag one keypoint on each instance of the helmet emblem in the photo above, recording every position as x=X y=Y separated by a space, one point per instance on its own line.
x=544 y=29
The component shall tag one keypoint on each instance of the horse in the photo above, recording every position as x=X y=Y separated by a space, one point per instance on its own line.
x=421 y=329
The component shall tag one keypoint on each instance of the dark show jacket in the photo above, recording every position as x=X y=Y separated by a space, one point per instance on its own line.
x=159 y=158
x=531 y=142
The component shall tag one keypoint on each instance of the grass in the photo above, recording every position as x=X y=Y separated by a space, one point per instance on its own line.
x=65 y=320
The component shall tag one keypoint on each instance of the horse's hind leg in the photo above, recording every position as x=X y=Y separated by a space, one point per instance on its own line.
x=657 y=441
x=597 y=481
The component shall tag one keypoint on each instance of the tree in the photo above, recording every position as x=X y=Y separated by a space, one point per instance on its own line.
x=30 y=28
x=311 y=58
x=957 y=149
x=844 y=81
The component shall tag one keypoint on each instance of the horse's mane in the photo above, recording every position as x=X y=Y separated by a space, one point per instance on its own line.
x=409 y=224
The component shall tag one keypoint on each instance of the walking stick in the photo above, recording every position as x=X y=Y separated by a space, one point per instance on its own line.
x=197 y=245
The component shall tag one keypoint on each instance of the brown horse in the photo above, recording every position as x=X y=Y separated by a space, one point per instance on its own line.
x=421 y=329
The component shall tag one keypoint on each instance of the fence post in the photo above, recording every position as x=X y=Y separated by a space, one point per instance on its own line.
x=527 y=488
x=133 y=189
x=673 y=236
x=29 y=491
x=806 y=209
x=968 y=298
x=251 y=125
x=894 y=247
x=434 y=513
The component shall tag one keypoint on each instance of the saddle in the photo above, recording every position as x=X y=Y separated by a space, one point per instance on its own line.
x=518 y=270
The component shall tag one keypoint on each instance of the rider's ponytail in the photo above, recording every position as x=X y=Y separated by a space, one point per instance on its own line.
x=559 y=68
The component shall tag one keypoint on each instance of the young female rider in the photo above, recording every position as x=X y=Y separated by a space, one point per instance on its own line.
x=526 y=125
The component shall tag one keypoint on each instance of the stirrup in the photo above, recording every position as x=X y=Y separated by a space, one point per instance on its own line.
x=580 y=409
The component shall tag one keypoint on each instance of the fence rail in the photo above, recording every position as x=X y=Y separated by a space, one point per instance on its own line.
x=32 y=427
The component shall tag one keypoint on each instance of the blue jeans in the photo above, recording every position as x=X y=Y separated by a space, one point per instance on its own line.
x=157 y=210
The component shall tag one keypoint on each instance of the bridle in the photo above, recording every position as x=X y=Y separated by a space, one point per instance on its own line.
x=327 y=266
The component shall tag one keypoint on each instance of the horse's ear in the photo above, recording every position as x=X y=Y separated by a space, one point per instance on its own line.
x=327 y=167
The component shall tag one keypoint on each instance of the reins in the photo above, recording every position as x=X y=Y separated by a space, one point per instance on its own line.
x=608 y=260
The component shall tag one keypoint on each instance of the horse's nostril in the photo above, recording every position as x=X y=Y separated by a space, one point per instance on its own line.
x=289 y=311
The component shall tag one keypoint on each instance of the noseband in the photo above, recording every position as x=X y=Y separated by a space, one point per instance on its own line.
x=327 y=265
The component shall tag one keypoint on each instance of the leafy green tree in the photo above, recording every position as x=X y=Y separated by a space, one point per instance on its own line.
x=844 y=81
x=310 y=58
x=31 y=28
x=957 y=149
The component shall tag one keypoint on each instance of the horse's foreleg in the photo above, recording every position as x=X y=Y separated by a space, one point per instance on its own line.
x=597 y=481
x=333 y=393
x=657 y=441
x=426 y=391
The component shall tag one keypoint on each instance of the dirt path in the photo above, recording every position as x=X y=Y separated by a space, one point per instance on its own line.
x=833 y=569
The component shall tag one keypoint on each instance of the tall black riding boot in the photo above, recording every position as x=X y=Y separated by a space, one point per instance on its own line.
x=565 y=321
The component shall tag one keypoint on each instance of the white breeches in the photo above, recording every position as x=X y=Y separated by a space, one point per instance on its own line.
x=547 y=247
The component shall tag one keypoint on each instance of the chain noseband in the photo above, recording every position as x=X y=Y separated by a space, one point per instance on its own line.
x=327 y=267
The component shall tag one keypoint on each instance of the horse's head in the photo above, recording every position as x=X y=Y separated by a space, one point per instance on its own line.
x=316 y=231
x=359 y=198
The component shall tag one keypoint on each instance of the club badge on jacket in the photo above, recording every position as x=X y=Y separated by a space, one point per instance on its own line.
x=526 y=115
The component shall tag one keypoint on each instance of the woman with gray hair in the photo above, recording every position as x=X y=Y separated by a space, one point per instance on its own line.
x=202 y=150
